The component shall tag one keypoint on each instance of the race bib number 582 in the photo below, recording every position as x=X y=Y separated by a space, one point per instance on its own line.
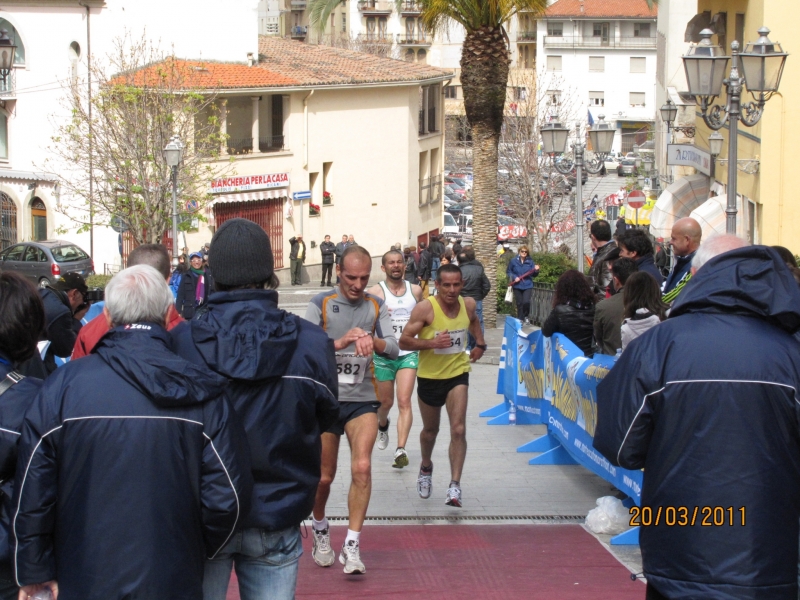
x=351 y=368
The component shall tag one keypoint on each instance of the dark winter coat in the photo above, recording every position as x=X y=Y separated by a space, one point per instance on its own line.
x=647 y=264
x=131 y=472
x=411 y=269
x=706 y=403
x=340 y=248
x=61 y=327
x=425 y=264
x=575 y=322
x=186 y=302
x=476 y=283
x=295 y=245
x=282 y=382
x=328 y=250
x=680 y=274
x=517 y=268
x=599 y=273
x=13 y=404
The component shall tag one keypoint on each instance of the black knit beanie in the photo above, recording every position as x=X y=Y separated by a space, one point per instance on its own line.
x=240 y=254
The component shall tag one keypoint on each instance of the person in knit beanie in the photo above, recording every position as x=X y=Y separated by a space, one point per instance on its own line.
x=283 y=386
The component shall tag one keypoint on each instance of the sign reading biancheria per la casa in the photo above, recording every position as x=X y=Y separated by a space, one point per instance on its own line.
x=249 y=183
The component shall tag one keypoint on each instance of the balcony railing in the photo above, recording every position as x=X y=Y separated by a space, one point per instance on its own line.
x=526 y=36
x=275 y=143
x=430 y=190
x=8 y=87
x=299 y=31
x=410 y=8
x=375 y=7
x=416 y=38
x=298 y=4
x=375 y=37
x=576 y=41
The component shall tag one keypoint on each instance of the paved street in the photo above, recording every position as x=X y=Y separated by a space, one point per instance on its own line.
x=498 y=484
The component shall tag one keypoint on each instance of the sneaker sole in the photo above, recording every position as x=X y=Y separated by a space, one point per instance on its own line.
x=454 y=503
x=321 y=564
x=400 y=462
x=355 y=571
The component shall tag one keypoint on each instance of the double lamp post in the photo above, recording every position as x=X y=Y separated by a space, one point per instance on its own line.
x=173 y=154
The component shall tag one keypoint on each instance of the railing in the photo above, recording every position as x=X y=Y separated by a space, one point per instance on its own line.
x=298 y=4
x=430 y=190
x=375 y=6
x=410 y=7
x=526 y=36
x=299 y=31
x=576 y=41
x=541 y=302
x=375 y=37
x=110 y=269
x=416 y=38
x=275 y=143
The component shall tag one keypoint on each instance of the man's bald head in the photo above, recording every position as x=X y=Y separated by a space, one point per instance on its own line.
x=686 y=235
x=714 y=246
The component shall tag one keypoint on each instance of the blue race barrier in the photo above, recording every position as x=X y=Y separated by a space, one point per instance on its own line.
x=550 y=381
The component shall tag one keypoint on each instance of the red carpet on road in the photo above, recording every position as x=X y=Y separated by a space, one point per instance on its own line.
x=477 y=562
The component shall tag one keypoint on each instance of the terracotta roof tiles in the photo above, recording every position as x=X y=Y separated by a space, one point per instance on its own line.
x=607 y=9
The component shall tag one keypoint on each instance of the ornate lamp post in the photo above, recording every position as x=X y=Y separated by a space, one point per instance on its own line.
x=173 y=154
x=762 y=66
x=7 y=52
x=554 y=143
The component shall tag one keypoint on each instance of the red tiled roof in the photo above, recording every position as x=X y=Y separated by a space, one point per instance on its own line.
x=282 y=63
x=607 y=9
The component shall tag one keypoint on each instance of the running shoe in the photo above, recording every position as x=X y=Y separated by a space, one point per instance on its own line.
x=351 y=558
x=400 y=458
x=453 y=496
x=383 y=436
x=424 y=484
x=322 y=553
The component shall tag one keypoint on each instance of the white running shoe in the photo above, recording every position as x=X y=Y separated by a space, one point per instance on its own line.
x=424 y=484
x=400 y=458
x=351 y=558
x=322 y=553
x=453 y=496
x=383 y=436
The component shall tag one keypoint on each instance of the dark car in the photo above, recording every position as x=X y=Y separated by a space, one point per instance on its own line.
x=457 y=209
x=44 y=262
x=626 y=167
x=572 y=177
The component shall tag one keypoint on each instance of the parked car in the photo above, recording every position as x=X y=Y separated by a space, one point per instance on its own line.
x=457 y=209
x=626 y=167
x=572 y=177
x=450 y=188
x=44 y=262
x=612 y=161
x=450 y=227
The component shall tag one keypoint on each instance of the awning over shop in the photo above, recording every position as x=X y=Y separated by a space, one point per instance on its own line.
x=676 y=202
x=251 y=196
x=27 y=176
x=712 y=218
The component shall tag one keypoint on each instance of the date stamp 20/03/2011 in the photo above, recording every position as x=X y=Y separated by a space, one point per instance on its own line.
x=687 y=516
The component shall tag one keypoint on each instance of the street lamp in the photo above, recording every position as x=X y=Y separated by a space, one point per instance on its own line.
x=173 y=154
x=762 y=66
x=669 y=113
x=715 y=144
x=554 y=143
x=7 y=52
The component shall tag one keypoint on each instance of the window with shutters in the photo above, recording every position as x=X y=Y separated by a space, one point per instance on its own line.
x=553 y=63
x=555 y=28
x=597 y=98
x=641 y=30
x=637 y=98
x=554 y=97
x=597 y=64
x=638 y=64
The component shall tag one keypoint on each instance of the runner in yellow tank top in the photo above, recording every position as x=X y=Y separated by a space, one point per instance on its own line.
x=441 y=325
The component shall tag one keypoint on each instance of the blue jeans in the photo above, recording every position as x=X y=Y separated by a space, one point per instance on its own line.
x=471 y=341
x=435 y=262
x=266 y=565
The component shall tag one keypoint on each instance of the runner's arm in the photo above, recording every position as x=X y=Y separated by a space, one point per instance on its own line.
x=422 y=315
x=475 y=329
x=417 y=291
x=384 y=342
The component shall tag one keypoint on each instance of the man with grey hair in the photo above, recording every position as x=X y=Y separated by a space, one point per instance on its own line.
x=706 y=403
x=158 y=475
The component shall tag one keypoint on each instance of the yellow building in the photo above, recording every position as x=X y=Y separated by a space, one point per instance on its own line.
x=771 y=207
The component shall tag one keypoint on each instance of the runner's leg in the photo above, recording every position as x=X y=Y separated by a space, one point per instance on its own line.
x=431 y=415
x=386 y=398
x=405 y=386
x=330 y=454
x=361 y=433
x=457 y=412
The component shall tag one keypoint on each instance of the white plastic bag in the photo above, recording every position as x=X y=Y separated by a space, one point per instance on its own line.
x=510 y=294
x=610 y=516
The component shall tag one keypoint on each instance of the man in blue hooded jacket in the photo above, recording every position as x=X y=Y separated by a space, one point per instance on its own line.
x=706 y=403
x=131 y=467
x=281 y=374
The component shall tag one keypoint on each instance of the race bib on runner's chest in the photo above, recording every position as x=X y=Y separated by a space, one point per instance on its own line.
x=351 y=368
x=458 y=342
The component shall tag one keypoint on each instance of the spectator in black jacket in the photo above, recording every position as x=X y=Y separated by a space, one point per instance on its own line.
x=635 y=244
x=328 y=250
x=424 y=270
x=282 y=382
x=573 y=311
x=436 y=249
x=195 y=287
x=21 y=323
x=600 y=235
x=476 y=284
x=610 y=312
x=131 y=466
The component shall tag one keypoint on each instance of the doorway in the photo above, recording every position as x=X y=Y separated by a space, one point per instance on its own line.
x=38 y=220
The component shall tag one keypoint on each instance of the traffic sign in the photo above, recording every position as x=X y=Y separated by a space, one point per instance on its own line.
x=636 y=199
x=302 y=195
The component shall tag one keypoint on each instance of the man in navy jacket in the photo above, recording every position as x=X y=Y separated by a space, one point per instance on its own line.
x=131 y=468
x=282 y=383
x=706 y=403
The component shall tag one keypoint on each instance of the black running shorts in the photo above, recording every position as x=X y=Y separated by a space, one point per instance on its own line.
x=349 y=411
x=433 y=392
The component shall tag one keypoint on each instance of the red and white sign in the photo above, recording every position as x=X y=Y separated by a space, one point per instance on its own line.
x=636 y=199
x=249 y=183
x=511 y=232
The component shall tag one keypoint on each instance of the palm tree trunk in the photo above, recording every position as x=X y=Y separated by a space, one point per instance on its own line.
x=484 y=77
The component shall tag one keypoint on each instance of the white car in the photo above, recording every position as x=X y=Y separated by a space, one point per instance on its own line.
x=612 y=161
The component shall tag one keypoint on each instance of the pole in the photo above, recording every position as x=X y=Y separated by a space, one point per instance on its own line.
x=734 y=113
x=175 y=213
x=91 y=134
x=579 y=202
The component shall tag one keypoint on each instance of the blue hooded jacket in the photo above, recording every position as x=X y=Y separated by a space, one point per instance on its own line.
x=282 y=382
x=517 y=268
x=707 y=404
x=132 y=471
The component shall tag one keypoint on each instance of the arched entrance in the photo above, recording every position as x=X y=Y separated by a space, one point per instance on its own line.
x=38 y=220
x=8 y=222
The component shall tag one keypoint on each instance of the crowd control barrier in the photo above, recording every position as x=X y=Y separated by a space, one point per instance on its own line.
x=549 y=381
